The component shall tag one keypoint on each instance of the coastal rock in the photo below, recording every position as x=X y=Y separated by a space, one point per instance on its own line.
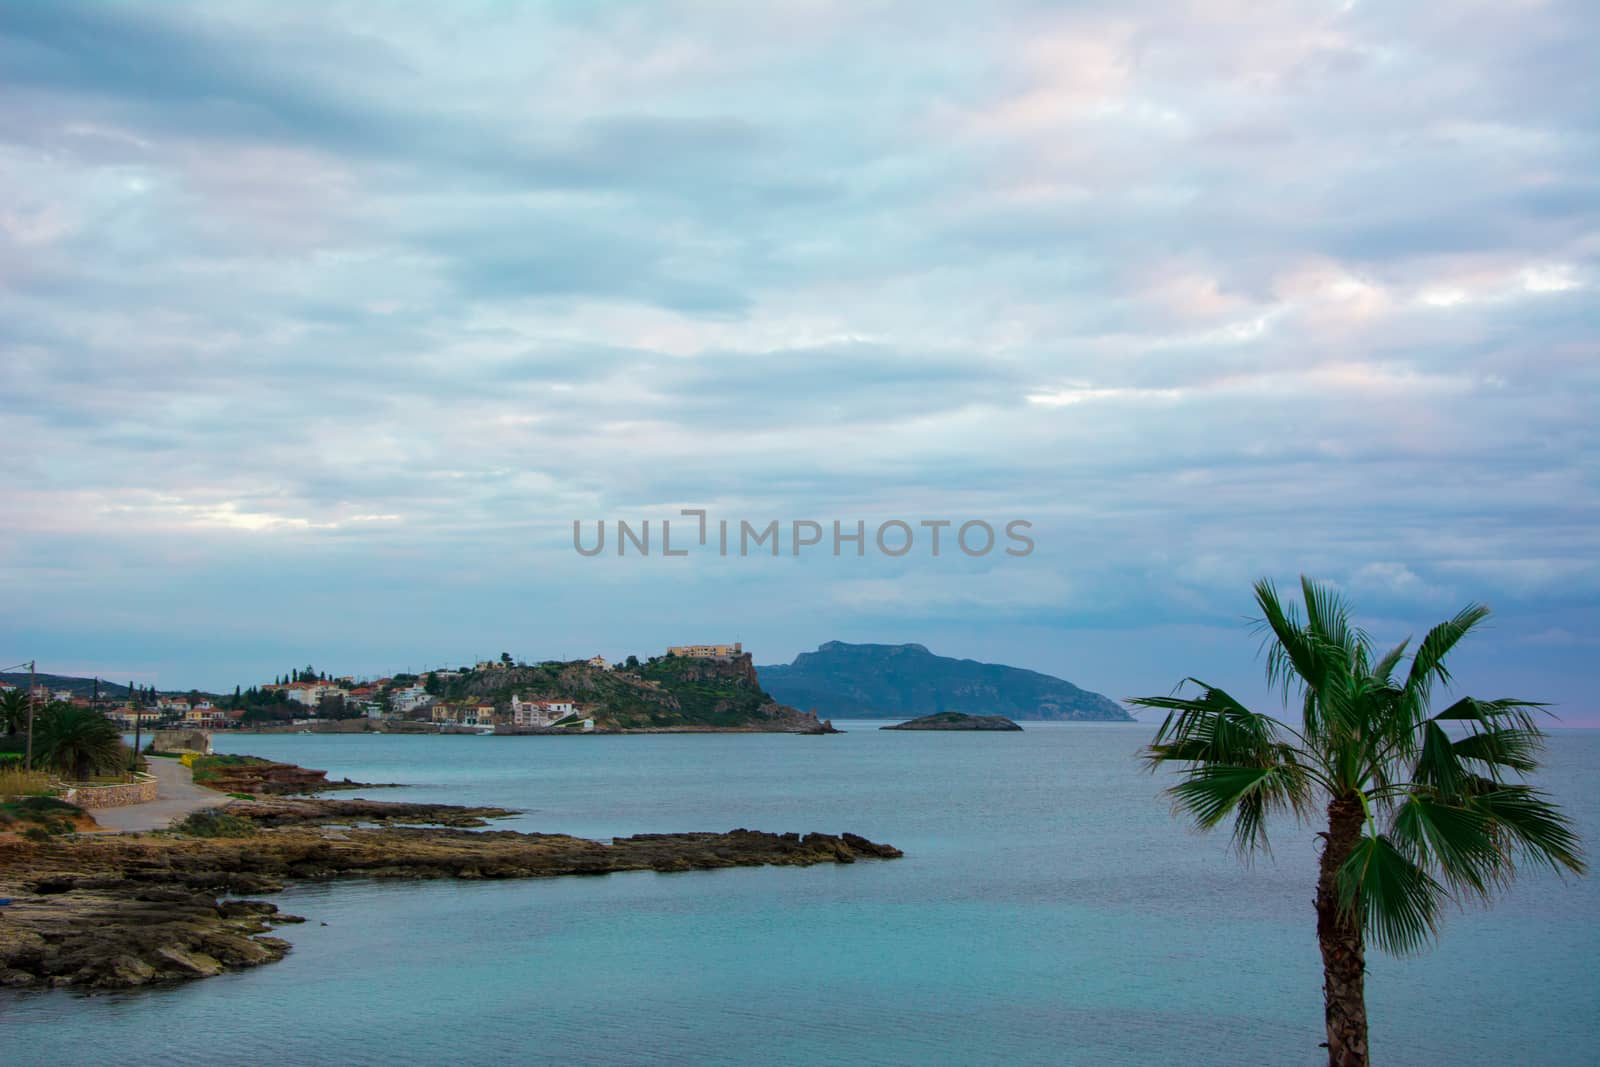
x=256 y=776
x=278 y=812
x=125 y=910
x=955 y=720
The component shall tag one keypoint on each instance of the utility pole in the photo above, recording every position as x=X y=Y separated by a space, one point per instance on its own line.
x=138 y=721
x=28 y=761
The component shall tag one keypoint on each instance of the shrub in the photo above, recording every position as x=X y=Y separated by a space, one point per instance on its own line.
x=16 y=782
x=214 y=823
x=40 y=817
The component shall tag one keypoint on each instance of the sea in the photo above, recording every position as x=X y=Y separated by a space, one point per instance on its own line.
x=1049 y=910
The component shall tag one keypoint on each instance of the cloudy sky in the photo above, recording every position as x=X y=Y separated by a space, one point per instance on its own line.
x=320 y=324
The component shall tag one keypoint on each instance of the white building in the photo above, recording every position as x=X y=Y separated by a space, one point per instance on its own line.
x=539 y=712
x=410 y=699
x=312 y=693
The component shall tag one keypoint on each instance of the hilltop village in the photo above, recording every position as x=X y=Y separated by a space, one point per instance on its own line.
x=688 y=687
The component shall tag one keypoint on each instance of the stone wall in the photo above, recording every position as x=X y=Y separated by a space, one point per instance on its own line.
x=138 y=791
x=182 y=741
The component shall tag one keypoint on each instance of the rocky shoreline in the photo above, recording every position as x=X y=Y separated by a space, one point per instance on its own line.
x=117 y=911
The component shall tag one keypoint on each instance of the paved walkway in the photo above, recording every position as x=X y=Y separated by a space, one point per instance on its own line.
x=176 y=796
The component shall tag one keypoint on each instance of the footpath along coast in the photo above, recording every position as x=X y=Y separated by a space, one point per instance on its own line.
x=177 y=796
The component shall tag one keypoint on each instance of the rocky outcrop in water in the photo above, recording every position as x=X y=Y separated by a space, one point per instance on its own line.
x=117 y=911
x=955 y=720
x=253 y=775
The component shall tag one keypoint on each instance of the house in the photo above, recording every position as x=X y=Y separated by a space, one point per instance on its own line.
x=312 y=694
x=706 y=651
x=600 y=663
x=205 y=716
x=476 y=716
x=410 y=699
x=479 y=715
x=539 y=712
x=134 y=718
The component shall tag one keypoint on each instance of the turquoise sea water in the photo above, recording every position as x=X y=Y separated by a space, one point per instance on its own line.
x=1048 y=911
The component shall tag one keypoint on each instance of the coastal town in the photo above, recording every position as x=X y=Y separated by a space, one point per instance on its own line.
x=497 y=696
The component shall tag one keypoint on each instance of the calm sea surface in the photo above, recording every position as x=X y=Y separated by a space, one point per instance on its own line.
x=1048 y=911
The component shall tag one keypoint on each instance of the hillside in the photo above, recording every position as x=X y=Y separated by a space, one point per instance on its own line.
x=83 y=687
x=665 y=693
x=841 y=680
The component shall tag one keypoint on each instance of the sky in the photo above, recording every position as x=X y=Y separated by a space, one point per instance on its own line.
x=320 y=325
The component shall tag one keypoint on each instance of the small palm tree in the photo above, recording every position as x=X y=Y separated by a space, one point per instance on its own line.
x=14 y=710
x=77 y=741
x=1422 y=807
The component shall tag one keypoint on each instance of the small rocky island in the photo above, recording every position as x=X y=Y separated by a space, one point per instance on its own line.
x=955 y=720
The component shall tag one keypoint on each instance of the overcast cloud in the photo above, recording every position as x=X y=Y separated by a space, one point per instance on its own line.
x=320 y=324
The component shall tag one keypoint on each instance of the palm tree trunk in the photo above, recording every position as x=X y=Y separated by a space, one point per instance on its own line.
x=1344 y=962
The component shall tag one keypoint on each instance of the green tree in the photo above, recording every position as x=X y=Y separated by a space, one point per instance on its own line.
x=77 y=742
x=14 y=710
x=431 y=684
x=1421 y=807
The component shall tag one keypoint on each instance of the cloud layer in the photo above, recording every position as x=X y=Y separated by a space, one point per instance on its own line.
x=321 y=325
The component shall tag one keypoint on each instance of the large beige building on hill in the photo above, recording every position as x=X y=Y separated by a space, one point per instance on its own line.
x=706 y=651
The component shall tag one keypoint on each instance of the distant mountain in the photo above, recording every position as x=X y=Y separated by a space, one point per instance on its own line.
x=840 y=680
x=83 y=687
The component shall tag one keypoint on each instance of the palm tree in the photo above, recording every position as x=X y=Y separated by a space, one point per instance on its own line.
x=14 y=710
x=1422 y=807
x=77 y=741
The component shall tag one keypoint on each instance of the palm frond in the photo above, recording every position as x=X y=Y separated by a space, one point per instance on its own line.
x=1328 y=618
x=1459 y=840
x=1428 y=665
x=1290 y=653
x=1385 y=667
x=1394 y=898
x=1438 y=765
x=1506 y=747
x=1211 y=792
x=1535 y=827
x=1212 y=726
x=1485 y=713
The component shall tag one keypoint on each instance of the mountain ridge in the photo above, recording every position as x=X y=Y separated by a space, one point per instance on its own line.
x=877 y=681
